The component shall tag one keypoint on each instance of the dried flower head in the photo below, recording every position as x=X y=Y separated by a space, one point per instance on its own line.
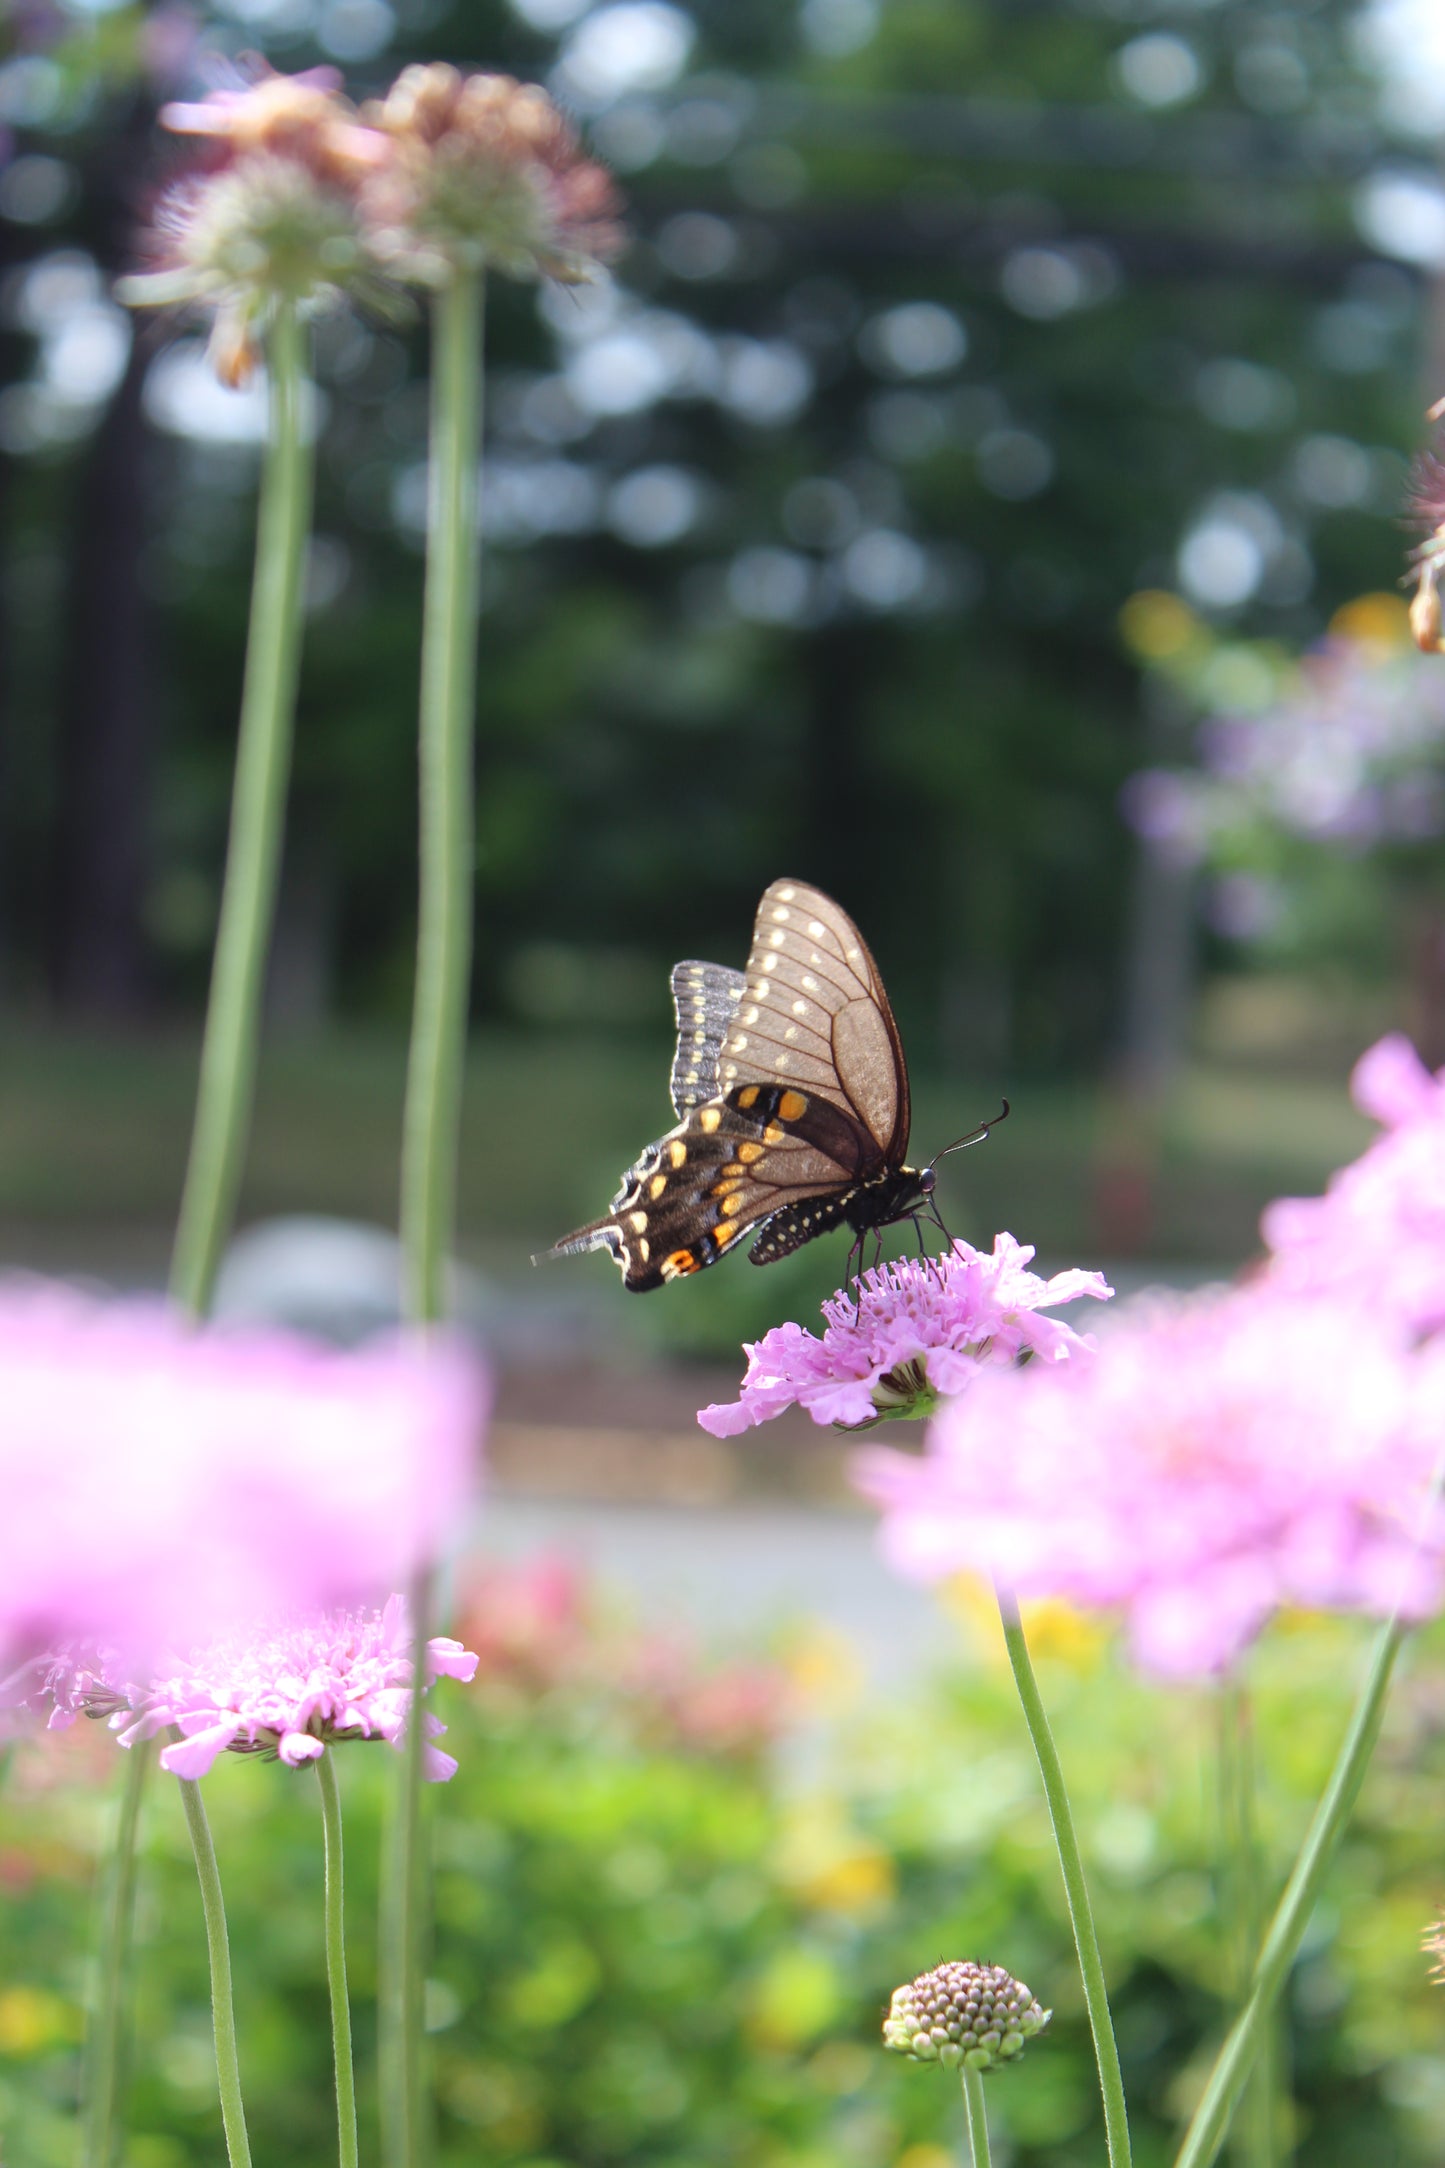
x=275 y=218
x=918 y=1329
x=961 y=2013
x=484 y=173
x=288 y=1692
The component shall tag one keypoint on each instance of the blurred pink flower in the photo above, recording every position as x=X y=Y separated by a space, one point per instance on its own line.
x=164 y=1482
x=1377 y=1236
x=1218 y=1458
x=289 y=1692
x=920 y=1327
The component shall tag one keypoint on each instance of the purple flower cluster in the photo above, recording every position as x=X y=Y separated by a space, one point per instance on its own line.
x=1377 y=1236
x=918 y=1329
x=166 y=1483
x=1222 y=1456
x=292 y=1691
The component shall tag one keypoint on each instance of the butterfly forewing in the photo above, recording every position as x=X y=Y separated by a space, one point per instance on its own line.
x=814 y=1014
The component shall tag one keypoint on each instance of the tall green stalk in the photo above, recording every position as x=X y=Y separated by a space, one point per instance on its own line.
x=432 y=1115
x=105 y=2031
x=1241 y=1908
x=1248 y=2034
x=347 y=2152
x=253 y=853
x=223 y=2012
x=1081 y=1917
x=221 y=1126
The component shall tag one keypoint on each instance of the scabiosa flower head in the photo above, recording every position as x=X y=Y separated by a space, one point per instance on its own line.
x=164 y=1482
x=1377 y=1235
x=961 y=2013
x=484 y=173
x=274 y=218
x=918 y=1328
x=290 y=1692
x=1220 y=1457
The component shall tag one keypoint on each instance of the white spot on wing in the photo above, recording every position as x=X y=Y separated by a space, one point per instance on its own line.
x=816 y=928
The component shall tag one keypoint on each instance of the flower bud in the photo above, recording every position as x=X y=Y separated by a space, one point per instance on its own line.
x=483 y=173
x=962 y=2014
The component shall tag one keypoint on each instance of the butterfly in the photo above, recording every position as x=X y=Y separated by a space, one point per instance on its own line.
x=791 y=1093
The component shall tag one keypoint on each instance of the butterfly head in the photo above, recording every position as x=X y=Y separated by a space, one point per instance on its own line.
x=927 y=1180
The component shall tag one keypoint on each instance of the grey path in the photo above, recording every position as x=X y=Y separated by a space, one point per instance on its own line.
x=731 y=1574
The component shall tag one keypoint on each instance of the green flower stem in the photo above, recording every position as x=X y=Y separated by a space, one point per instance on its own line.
x=105 y=2030
x=977 y=2117
x=1240 y=1907
x=448 y=701
x=223 y=2014
x=432 y=1115
x=1086 y=1942
x=263 y=759
x=1248 y=2034
x=347 y=2152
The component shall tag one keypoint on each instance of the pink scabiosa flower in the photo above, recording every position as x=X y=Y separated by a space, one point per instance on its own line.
x=290 y=1692
x=1219 y=1458
x=484 y=173
x=920 y=1328
x=1377 y=1235
x=273 y=219
x=165 y=1482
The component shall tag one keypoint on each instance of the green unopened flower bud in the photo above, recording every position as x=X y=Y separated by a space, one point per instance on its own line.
x=961 y=2014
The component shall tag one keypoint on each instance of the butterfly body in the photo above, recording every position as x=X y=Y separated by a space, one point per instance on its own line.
x=792 y=1095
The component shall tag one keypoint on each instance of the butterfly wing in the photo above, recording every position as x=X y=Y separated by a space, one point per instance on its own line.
x=815 y=1018
x=723 y=1168
x=705 y=999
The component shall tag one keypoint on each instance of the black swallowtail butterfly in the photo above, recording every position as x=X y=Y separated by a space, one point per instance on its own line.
x=792 y=1099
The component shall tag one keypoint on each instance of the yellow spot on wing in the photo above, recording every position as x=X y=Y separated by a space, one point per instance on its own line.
x=773 y=1134
x=747 y=1097
x=677 y=1152
x=709 y=1118
x=747 y=1153
x=656 y=1186
x=734 y=1203
x=637 y=1221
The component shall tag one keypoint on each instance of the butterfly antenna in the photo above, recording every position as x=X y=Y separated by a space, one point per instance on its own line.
x=975 y=1136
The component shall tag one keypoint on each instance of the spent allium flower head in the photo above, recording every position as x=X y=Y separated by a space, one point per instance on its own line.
x=163 y=1481
x=286 y=1692
x=484 y=173
x=274 y=217
x=919 y=1328
x=1220 y=1457
x=961 y=2013
x=1377 y=1235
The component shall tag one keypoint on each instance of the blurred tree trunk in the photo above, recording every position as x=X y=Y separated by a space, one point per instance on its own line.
x=96 y=958
x=97 y=950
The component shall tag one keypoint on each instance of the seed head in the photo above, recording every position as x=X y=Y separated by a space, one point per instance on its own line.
x=484 y=172
x=961 y=2013
x=274 y=218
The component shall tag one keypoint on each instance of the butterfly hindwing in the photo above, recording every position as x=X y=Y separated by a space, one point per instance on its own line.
x=705 y=998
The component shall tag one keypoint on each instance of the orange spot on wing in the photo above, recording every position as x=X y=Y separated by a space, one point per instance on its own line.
x=747 y=1097
x=747 y=1153
x=791 y=1106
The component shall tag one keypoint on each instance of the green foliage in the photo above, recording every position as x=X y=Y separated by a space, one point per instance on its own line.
x=658 y=1945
